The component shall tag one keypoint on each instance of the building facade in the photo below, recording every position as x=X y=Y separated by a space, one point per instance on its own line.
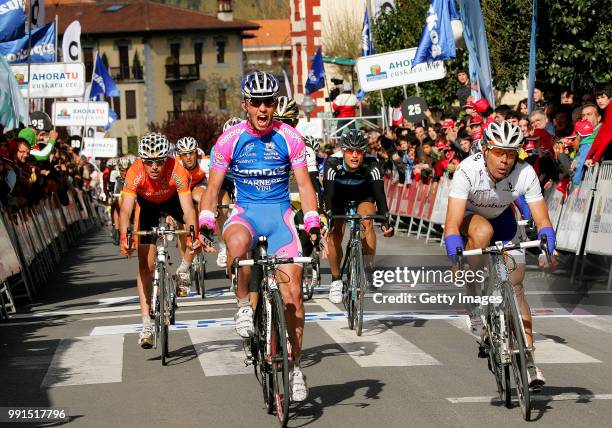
x=164 y=59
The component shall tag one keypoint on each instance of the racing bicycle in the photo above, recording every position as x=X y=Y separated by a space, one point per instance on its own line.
x=504 y=342
x=163 y=297
x=269 y=350
x=353 y=268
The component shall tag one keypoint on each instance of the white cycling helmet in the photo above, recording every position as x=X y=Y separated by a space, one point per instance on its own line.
x=123 y=163
x=111 y=162
x=186 y=145
x=312 y=142
x=259 y=84
x=232 y=121
x=504 y=136
x=153 y=146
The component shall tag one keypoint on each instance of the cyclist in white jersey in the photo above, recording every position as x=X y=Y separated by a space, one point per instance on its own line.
x=480 y=212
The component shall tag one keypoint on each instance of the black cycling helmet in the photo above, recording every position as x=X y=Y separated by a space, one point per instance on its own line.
x=353 y=139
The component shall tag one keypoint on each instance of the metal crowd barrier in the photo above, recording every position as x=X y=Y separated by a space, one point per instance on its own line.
x=581 y=215
x=33 y=240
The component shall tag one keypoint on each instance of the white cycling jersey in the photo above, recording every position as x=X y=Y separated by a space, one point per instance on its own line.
x=471 y=181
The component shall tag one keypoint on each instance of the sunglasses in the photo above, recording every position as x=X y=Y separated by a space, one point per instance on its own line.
x=354 y=151
x=497 y=152
x=256 y=102
x=150 y=162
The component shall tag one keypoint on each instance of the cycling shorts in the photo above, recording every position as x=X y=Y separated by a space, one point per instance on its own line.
x=340 y=202
x=150 y=212
x=274 y=221
x=505 y=229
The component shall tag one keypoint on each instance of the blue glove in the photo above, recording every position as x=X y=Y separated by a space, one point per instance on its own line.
x=452 y=242
x=521 y=203
x=551 y=238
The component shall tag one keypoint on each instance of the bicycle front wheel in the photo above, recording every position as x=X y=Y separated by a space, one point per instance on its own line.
x=518 y=353
x=495 y=337
x=360 y=290
x=279 y=356
x=164 y=318
x=202 y=275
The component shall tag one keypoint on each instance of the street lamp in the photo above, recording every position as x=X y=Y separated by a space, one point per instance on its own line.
x=308 y=105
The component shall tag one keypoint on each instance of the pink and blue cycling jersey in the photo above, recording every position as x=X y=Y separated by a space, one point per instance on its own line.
x=261 y=163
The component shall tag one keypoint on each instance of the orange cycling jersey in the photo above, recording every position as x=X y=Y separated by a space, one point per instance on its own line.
x=175 y=179
x=198 y=173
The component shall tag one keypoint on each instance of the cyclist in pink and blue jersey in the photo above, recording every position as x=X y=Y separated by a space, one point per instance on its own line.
x=261 y=153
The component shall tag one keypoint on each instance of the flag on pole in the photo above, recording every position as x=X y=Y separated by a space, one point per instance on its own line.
x=532 y=56
x=475 y=37
x=43 y=46
x=367 y=47
x=316 y=75
x=71 y=43
x=37 y=13
x=437 y=40
x=12 y=20
x=13 y=107
x=101 y=83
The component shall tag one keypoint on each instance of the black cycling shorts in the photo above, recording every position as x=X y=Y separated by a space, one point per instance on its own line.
x=150 y=213
x=340 y=202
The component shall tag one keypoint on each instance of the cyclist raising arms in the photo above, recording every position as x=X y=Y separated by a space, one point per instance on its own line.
x=352 y=177
x=262 y=152
x=160 y=185
x=479 y=210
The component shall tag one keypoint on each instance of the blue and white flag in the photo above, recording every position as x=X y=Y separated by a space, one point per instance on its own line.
x=112 y=117
x=12 y=20
x=101 y=83
x=316 y=75
x=475 y=37
x=532 y=57
x=367 y=47
x=13 y=108
x=437 y=40
x=43 y=47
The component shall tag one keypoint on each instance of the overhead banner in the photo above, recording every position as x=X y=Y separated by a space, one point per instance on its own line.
x=41 y=49
x=93 y=113
x=99 y=147
x=392 y=69
x=55 y=80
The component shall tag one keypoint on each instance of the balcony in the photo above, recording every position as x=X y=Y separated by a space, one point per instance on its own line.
x=125 y=72
x=182 y=72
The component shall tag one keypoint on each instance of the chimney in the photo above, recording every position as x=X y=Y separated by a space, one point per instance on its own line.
x=224 y=10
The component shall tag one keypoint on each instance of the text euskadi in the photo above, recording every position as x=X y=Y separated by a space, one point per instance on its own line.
x=428 y=298
x=412 y=277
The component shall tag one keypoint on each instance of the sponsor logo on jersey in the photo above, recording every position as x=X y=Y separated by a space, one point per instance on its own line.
x=263 y=172
x=231 y=134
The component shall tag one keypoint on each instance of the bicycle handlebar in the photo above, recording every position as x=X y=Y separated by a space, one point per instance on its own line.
x=359 y=217
x=499 y=248
x=271 y=260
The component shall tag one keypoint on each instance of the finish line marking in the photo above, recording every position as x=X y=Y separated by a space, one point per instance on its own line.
x=559 y=397
x=317 y=317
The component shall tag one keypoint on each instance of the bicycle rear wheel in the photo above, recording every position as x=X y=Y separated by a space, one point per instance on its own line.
x=518 y=353
x=279 y=356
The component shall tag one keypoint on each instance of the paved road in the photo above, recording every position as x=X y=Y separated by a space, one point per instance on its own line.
x=413 y=366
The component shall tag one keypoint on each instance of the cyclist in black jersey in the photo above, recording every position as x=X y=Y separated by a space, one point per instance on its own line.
x=352 y=177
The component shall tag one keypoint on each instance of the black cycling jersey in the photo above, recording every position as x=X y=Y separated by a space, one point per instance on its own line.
x=341 y=185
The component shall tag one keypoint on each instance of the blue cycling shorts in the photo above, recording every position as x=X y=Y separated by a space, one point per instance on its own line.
x=274 y=221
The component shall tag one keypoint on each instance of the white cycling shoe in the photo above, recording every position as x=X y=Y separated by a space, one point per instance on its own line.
x=297 y=382
x=535 y=376
x=222 y=257
x=474 y=322
x=244 y=322
x=335 y=291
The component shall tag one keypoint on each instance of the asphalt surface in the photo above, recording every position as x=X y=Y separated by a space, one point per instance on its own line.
x=415 y=365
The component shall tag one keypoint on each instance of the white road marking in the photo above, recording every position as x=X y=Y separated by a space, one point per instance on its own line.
x=550 y=352
x=377 y=346
x=86 y=360
x=601 y=322
x=220 y=351
x=535 y=397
